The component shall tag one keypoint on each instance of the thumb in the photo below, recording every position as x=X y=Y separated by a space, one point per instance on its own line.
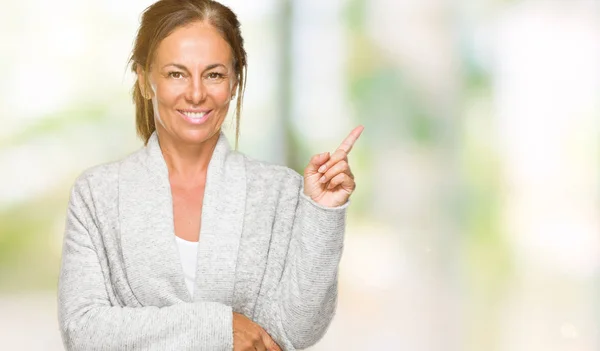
x=315 y=162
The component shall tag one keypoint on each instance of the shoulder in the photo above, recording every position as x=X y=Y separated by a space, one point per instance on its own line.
x=271 y=184
x=269 y=174
x=103 y=178
x=272 y=187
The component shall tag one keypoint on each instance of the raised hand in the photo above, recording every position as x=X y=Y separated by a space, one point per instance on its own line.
x=249 y=336
x=327 y=178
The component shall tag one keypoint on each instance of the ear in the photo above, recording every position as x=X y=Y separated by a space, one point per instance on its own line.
x=142 y=83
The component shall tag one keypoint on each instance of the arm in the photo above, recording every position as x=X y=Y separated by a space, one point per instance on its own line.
x=299 y=310
x=88 y=321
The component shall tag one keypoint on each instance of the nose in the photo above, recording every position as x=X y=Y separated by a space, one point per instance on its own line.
x=196 y=92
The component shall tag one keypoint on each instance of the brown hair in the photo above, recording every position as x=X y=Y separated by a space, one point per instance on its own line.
x=161 y=19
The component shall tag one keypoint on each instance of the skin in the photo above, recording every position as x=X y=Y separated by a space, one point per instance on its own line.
x=328 y=179
x=192 y=70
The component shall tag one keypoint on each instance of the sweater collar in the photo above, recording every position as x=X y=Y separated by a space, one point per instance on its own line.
x=156 y=161
x=147 y=233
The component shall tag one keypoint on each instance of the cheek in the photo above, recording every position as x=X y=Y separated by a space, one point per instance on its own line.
x=168 y=92
x=220 y=93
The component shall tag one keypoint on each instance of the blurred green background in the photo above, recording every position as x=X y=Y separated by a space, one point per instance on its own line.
x=476 y=221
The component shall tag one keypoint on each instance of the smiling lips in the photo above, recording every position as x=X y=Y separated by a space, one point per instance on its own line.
x=195 y=117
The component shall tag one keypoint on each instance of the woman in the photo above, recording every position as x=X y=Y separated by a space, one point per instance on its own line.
x=186 y=244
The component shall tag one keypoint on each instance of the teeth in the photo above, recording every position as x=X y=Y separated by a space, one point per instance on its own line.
x=194 y=114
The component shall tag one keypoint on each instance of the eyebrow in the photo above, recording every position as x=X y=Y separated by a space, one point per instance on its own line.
x=182 y=67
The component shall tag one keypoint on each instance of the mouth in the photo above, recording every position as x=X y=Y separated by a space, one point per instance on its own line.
x=195 y=117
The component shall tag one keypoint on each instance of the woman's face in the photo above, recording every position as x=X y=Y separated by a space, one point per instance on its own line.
x=192 y=81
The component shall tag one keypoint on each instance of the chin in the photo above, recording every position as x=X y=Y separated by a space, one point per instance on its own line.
x=198 y=136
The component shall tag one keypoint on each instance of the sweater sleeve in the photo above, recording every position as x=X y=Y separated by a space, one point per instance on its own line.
x=299 y=310
x=89 y=321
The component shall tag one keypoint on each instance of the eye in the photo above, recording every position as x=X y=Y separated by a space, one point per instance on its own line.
x=175 y=75
x=215 y=76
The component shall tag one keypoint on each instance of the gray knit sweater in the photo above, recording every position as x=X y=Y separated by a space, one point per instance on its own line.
x=266 y=250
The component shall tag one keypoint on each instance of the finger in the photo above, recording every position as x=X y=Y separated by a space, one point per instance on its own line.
x=270 y=343
x=340 y=167
x=341 y=153
x=315 y=162
x=348 y=143
x=344 y=181
x=336 y=157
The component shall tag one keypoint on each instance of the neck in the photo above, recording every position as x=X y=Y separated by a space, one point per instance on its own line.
x=187 y=162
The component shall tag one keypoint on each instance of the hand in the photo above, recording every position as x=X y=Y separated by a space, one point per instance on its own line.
x=328 y=179
x=249 y=336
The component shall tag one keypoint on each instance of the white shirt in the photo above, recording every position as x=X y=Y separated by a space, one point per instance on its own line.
x=188 y=252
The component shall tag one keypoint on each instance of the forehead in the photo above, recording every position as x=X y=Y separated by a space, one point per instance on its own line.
x=196 y=44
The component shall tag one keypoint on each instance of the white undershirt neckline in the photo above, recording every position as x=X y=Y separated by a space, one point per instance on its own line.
x=188 y=252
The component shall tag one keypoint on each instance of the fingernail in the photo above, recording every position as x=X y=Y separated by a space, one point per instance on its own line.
x=322 y=168
x=323 y=179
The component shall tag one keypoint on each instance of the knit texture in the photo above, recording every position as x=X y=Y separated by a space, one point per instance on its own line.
x=266 y=250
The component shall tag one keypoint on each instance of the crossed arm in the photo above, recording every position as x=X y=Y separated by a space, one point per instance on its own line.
x=296 y=312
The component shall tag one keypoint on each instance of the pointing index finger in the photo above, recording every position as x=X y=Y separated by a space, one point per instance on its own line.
x=347 y=144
